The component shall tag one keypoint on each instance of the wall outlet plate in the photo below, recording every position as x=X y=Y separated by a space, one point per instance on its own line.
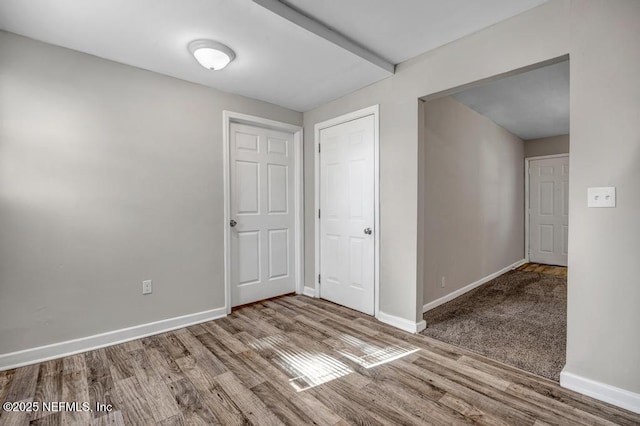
x=147 y=287
x=601 y=197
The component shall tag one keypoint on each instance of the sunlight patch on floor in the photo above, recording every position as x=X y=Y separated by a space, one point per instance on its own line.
x=307 y=369
x=369 y=355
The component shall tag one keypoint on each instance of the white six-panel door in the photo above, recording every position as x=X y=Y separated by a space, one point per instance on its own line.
x=549 y=210
x=262 y=240
x=347 y=233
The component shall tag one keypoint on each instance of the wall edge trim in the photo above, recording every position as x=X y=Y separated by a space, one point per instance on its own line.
x=469 y=287
x=601 y=391
x=309 y=291
x=84 y=344
x=401 y=323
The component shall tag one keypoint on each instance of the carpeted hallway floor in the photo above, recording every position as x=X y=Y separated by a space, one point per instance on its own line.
x=519 y=318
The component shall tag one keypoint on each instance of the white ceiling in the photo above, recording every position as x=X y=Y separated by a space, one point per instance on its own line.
x=531 y=105
x=276 y=61
x=399 y=30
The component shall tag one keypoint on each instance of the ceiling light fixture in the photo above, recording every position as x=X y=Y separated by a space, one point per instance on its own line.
x=211 y=54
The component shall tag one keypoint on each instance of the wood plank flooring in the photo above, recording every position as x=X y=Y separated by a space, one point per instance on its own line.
x=560 y=271
x=295 y=360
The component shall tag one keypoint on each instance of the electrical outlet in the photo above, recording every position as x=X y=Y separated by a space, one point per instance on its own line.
x=601 y=197
x=443 y=282
x=147 y=287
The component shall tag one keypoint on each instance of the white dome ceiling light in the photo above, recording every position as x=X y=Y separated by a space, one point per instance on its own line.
x=211 y=54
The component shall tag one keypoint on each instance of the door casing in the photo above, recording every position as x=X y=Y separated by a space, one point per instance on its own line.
x=229 y=117
x=375 y=111
x=527 y=195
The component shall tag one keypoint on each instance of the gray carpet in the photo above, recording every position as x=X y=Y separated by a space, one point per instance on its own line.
x=519 y=318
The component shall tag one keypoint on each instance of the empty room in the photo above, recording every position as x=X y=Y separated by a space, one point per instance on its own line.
x=244 y=212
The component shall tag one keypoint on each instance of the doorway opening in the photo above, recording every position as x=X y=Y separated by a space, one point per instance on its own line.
x=480 y=144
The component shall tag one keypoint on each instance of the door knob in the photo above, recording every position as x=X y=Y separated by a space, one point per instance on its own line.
x=233 y=223
x=367 y=231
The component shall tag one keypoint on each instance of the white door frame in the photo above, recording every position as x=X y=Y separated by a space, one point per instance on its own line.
x=229 y=117
x=375 y=111
x=527 y=161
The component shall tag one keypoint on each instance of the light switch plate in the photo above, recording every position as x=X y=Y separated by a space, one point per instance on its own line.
x=601 y=197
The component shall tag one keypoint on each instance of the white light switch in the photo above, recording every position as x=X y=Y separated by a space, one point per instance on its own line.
x=601 y=197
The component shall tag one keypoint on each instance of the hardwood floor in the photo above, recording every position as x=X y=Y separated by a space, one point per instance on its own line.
x=295 y=360
x=544 y=269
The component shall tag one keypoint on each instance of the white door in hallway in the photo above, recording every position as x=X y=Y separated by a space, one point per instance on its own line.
x=549 y=210
x=347 y=213
x=262 y=213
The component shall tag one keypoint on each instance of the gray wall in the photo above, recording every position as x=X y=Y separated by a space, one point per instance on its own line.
x=109 y=175
x=474 y=197
x=603 y=339
x=546 y=146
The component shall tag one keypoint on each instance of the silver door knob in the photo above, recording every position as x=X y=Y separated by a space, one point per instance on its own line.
x=367 y=231
x=233 y=223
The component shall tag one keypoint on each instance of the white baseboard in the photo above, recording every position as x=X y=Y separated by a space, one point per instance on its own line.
x=402 y=323
x=308 y=291
x=84 y=344
x=463 y=290
x=619 y=397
